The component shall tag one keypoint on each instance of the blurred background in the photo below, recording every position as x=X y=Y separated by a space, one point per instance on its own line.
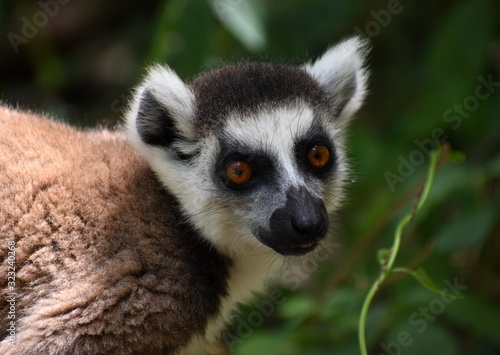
x=435 y=74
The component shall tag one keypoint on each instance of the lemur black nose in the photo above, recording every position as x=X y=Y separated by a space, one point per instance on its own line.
x=309 y=226
x=308 y=216
x=297 y=227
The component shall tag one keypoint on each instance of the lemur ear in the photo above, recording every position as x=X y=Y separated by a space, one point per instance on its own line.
x=340 y=71
x=163 y=110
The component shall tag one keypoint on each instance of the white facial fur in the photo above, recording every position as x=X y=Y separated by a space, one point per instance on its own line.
x=219 y=218
x=224 y=219
x=276 y=130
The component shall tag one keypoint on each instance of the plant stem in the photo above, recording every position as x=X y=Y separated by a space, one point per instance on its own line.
x=387 y=267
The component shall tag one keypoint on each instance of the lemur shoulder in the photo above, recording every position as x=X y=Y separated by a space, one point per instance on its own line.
x=146 y=239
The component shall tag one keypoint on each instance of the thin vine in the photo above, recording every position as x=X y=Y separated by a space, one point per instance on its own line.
x=388 y=257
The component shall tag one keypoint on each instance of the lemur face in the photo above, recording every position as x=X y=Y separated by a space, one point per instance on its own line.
x=254 y=153
x=275 y=166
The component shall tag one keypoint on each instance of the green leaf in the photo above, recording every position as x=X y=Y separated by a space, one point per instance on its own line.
x=422 y=277
x=468 y=231
x=419 y=337
x=262 y=342
x=476 y=313
x=383 y=255
x=493 y=167
x=457 y=156
x=185 y=45
x=449 y=80
x=454 y=39
x=342 y=307
x=243 y=20
x=297 y=305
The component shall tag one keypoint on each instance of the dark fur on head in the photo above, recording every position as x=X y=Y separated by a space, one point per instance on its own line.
x=244 y=88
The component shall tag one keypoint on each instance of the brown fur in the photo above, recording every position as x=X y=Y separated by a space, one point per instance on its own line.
x=104 y=263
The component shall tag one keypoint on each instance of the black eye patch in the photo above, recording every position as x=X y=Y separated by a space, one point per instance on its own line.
x=313 y=148
x=263 y=170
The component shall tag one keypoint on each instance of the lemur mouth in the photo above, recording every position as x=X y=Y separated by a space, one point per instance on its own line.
x=287 y=247
x=296 y=250
x=306 y=246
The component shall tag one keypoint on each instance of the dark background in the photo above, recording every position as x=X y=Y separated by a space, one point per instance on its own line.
x=78 y=60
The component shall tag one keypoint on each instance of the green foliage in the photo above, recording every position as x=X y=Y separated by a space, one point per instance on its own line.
x=421 y=276
x=388 y=258
x=435 y=72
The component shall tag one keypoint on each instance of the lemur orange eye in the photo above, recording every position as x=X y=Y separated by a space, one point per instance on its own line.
x=239 y=172
x=318 y=156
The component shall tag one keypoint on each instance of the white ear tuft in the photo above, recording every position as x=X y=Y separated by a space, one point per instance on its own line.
x=162 y=110
x=340 y=71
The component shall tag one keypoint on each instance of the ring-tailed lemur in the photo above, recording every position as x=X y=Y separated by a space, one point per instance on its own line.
x=109 y=254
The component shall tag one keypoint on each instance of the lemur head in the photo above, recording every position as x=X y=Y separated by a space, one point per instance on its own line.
x=254 y=153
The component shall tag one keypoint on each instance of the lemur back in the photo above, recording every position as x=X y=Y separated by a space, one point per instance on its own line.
x=146 y=239
x=104 y=261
